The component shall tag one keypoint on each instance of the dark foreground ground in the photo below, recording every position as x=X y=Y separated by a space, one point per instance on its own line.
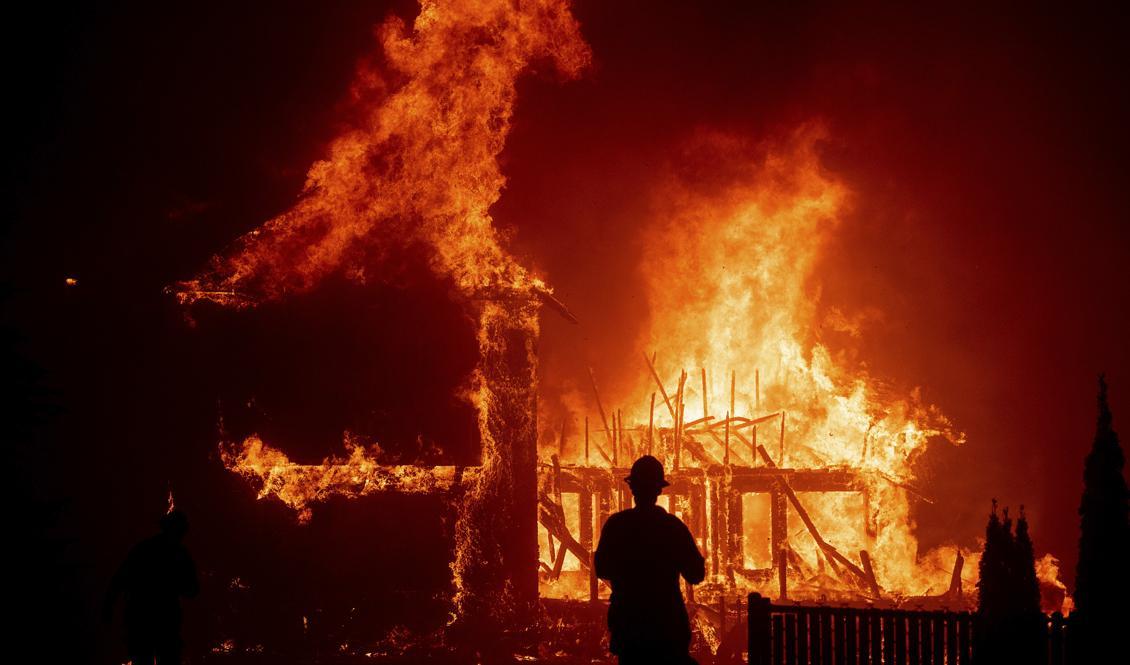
x=570 y=633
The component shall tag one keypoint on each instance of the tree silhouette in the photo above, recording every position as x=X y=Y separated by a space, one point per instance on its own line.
x=1008 y=610
x=1102 y=579
x=992 y=583
x=1027 y=586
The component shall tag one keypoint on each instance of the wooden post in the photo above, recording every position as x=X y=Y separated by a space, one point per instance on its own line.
x=600 y=406
x=722 y=615
x=586 y=440
x=679 y=437
x=626 y=445
x=795 y=636
x=753 y=444
x=824 y=618
x=714 y=524
x=602 y=506
x=705 y=404
x=951 y=639
x=586 y=535
x=900 y=639
x=757 y=391
x=757 y=621
x=662 y=391
x=913 y=641
x=726 y=445
x=733 y=386
x=955 y=577
x=781 y=455
x=650 y=423
x=872 y=584
x=778 y=536
x=889 y=638
x=561 y=443
x=615 y=444
x=937 y=627
x=737 y=538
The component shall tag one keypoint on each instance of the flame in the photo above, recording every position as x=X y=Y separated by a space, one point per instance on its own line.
x=421 y=167
x=730 y=266
x=1053 y=592
x=730 y=270
x=359 y=474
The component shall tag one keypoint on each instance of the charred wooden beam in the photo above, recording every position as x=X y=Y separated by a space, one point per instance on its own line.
x=585 y=517
x=869 y=571
x=696 y=449
x=650 y=424
x=600 y=407
x=713 y=501
x=736 y=532
x=832 y=554
x=955 y=578
x=778 y=534
x=743 y=479
x=552 y=517
x=659 y=382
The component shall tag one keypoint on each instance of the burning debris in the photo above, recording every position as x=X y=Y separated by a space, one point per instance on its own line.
x=797 y=479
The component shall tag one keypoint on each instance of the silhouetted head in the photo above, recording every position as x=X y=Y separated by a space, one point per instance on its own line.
x=174 y=524
x=646 y=480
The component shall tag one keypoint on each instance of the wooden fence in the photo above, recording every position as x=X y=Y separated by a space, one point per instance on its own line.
x=823 y=635
x=820 y=635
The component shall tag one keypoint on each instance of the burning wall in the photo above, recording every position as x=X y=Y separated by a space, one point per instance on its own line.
x=421 y=169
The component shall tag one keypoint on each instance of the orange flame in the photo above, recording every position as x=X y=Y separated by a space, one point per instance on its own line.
x=730 y=266
x=421 y=166
x=300 y=485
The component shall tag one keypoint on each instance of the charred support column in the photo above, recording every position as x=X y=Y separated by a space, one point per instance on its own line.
x=585 y=516
x=603 y=503
x=715 y=526
x=737 y=535
x=496 y=558
x=778 y=518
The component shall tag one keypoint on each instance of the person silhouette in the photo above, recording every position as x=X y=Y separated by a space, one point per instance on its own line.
x=157 y=572
x=642 y=552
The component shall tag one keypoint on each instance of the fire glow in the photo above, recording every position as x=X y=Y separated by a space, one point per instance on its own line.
x=732 y=387
x=729 y=273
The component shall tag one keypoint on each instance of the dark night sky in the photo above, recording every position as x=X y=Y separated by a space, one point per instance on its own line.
x=986 y=148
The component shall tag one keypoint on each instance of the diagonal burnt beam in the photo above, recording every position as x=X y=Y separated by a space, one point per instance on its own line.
x=831 y=553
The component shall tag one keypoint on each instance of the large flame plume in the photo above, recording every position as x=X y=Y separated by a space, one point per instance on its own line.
x=730 y=271
x=421 y=165
x=730 y=265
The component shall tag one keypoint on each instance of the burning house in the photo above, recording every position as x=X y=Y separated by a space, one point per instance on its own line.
x=793 y=469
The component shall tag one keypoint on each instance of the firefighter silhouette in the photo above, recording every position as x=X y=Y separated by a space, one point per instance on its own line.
x=155 y=575
x=642 y=552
